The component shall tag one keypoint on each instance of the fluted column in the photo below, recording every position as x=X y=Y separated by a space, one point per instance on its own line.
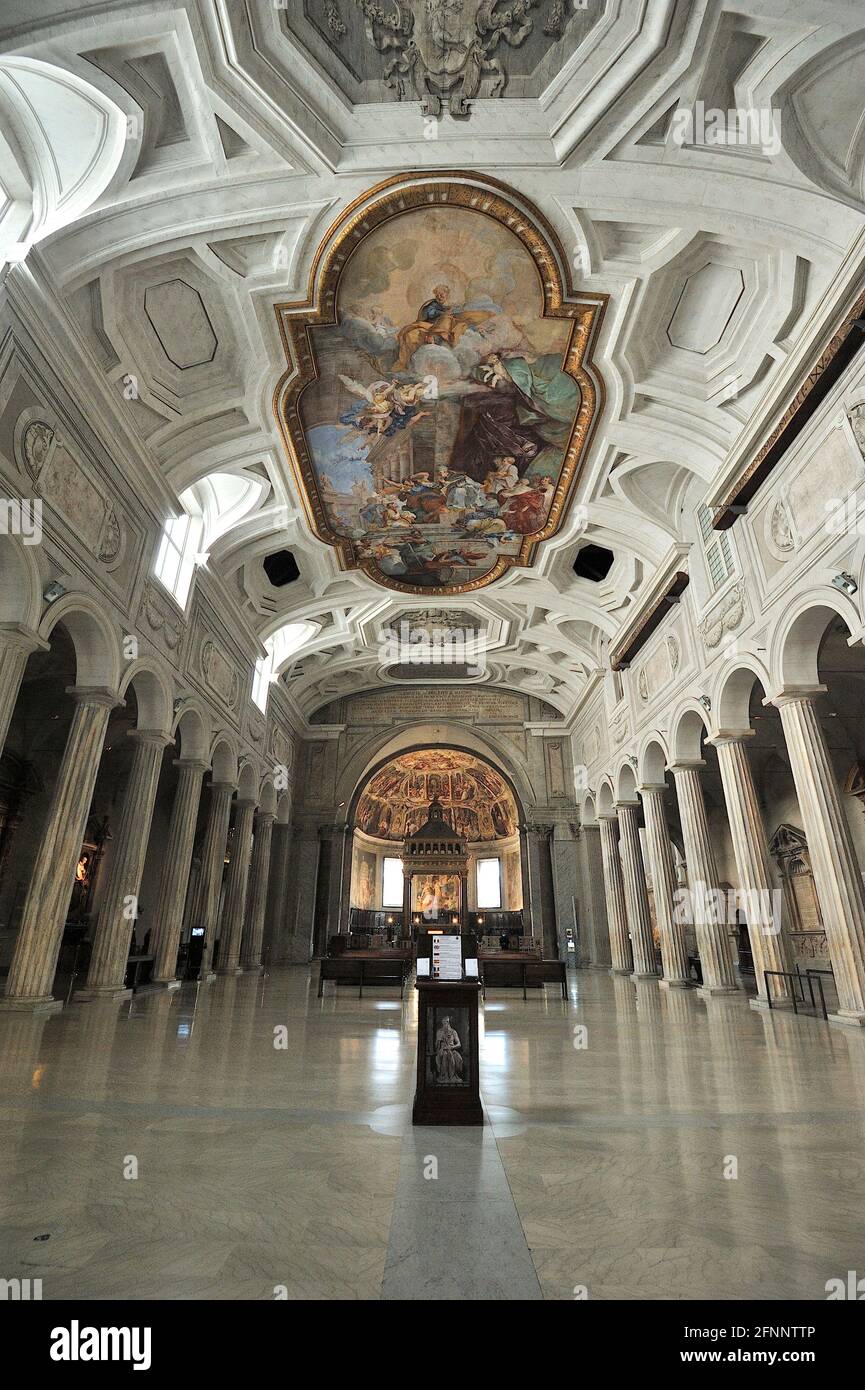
x=617 y=919
x=713 y=941
x=236 y=888
x=254 y=934
x=673 y=953
x=833 y=858
x=34 y=960
x=175 y=870
x=120 y=903
x=212 y=867
x=756 y=879
x=636 y=896
x=595 y=908
x=278 y=929
x=16 y=645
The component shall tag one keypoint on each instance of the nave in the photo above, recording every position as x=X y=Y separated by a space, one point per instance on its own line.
x=276 y=1158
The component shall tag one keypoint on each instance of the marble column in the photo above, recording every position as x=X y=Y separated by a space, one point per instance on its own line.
x=756 y=877
x=594 y=897
x=34 y=960
x=171 y=898
x=16 y=645
x=212 y=868
x=119 y=907
x=710 y=925
x=542 y=889
x=236 y=888
x=837 y=877
x=673 y=953
x=617 y=919
x=276 y=925
x=258 y=875
x=636 y=896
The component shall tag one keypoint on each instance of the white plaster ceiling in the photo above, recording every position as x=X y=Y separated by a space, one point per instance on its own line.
x=243 y=146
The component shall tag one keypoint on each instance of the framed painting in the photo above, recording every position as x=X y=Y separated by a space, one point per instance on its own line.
x=439 y=398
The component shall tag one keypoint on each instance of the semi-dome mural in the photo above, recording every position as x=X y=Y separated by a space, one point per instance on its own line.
x=477 y=801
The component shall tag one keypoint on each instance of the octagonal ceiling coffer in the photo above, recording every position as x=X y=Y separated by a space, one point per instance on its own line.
x=707 y=303
x=181 y=322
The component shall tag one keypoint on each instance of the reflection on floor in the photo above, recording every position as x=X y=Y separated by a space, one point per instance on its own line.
x=271 y=1136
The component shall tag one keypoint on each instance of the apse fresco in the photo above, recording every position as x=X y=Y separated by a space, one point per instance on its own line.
x=439 y=435
x=478 y=802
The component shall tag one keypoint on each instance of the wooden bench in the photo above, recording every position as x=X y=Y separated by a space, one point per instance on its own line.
x=366 y=971
x=532 y=974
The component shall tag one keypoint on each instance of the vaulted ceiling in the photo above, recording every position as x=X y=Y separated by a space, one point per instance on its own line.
x=250 y=127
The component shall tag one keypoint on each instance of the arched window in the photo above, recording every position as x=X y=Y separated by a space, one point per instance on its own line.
x=210 y=508
x=279 y=646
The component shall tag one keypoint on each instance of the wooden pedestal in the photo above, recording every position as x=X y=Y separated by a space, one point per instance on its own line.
x=447 y=1054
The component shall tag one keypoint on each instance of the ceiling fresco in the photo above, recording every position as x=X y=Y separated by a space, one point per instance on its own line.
x=437 y=420
x=478 y=802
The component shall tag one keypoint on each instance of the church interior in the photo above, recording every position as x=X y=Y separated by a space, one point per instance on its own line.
x=432 y=650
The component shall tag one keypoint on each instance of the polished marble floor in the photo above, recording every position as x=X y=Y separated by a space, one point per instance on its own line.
x=247 y=1140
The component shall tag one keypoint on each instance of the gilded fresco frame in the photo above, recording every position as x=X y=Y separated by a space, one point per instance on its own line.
x=393 y=198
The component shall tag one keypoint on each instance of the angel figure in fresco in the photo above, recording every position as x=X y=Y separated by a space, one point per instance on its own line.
x=449 y=1062
x=437 y=322
x=384 y=407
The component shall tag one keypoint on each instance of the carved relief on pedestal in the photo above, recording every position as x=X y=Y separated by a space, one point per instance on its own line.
x=725 y=619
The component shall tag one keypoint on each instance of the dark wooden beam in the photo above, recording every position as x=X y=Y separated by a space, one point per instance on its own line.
x=827 y=371
x=622 y=658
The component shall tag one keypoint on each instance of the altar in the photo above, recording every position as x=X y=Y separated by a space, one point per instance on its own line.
x=435 y=867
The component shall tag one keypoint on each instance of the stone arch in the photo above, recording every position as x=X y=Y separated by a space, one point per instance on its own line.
x=97 y=653
x=248 y=782
x=733 y=698
x=626 y=782
x=267 y=801
x=796 y=643
x=283 y=808
x=223 y=759
x=606 y=798
x=686 y=735
x=192 y=725
x=20 y=583
x=384 y=745
x=652 y=760
x=588 y=815
x=153 y=694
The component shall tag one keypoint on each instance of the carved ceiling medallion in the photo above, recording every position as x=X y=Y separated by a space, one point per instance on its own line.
x=440 y=396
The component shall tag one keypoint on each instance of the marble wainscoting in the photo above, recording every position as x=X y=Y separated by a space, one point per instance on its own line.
x=267 y=1169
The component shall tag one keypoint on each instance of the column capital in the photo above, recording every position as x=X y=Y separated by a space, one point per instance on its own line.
x=796 y=695
x=25 y=638
x=626 y=806
x=223 y=787
x=246 y=803
x=190 y=765
x=592 y=825
x=264 y=816
x=157 y=738
x=687 y=765
x=647 y=788
x=726 y=736
x=95 y=695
